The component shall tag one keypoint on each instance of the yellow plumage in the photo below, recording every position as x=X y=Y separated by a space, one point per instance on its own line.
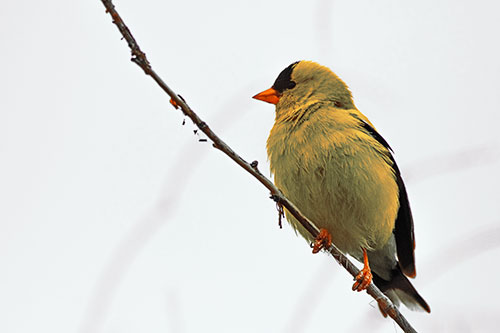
x=333 y=170
x=329 y=160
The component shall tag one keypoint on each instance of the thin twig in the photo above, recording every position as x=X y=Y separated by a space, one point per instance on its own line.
x=140 y=59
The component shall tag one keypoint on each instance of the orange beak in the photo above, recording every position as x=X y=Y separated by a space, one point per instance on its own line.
x=270 y=95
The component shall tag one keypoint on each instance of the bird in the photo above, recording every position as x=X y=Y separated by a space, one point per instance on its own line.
x=329 y=160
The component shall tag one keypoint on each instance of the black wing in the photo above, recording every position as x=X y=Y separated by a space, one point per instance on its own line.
x=403 y=230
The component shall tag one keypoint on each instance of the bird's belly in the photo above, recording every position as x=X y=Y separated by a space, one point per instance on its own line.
x=350 y=192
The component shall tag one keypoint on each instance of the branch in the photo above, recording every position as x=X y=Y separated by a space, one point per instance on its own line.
x=141 y=60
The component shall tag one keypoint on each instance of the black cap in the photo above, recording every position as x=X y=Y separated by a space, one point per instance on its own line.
x=284 y=80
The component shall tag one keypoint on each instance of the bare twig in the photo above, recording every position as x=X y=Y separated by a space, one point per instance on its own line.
x=140 y=59
x=142 y=231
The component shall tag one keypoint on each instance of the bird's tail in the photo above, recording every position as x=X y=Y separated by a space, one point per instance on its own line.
x=400 y=290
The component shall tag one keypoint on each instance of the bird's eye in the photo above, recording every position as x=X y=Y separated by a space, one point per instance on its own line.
x=291 y=85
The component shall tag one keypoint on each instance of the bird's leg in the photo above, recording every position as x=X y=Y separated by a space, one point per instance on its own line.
x=364 y=277
x=323 y=240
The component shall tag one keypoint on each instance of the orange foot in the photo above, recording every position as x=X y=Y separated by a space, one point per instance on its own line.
x=364 y=277
x=324 y=240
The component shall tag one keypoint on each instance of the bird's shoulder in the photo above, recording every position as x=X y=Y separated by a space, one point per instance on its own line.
x=325 y=125
x=347 y=126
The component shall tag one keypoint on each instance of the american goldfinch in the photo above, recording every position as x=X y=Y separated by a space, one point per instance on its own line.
x=329 y=160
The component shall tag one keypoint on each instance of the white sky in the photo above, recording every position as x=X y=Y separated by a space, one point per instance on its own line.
x=114 y=218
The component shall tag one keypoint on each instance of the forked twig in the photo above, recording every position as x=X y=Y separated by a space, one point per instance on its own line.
x=141 y=60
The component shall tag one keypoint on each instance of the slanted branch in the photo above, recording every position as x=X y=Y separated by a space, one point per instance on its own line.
x=139 y=57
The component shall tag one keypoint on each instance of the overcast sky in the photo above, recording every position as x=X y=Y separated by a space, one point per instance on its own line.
x=115 y=218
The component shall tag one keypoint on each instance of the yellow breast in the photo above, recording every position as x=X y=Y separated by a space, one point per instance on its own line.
x=337 y=174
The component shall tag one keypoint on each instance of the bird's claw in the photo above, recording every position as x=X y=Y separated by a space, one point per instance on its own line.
x=323 y=240
x=364 y=277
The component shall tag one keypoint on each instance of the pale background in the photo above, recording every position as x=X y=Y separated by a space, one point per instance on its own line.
x=114 y=218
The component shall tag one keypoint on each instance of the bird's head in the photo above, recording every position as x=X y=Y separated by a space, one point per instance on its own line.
x=305 y=81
